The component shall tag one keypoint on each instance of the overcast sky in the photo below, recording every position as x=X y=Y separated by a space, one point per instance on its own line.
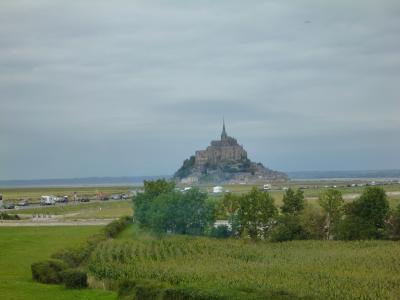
x=115 y=88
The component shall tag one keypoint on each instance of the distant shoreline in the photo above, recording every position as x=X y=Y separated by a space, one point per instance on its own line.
x=80 y=182
x=138 y=180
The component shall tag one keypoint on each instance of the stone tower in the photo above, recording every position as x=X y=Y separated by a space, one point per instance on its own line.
x=224 y=135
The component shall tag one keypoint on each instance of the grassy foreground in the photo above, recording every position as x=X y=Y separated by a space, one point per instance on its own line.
x=236 y=269
x=21 y=246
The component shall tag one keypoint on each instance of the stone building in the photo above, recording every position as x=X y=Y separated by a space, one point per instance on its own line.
x=224 y=160
x=225 y=150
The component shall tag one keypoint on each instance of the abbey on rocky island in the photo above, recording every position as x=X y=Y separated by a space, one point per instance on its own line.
x=224 y=161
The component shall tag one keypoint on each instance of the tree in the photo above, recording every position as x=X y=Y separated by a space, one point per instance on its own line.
x=230 y=203
x=293 y=202
x=312 y=221
x=393 y=226
x=142 y=202
x=182 y=213
x=365 y=217
x=288 y=225
x=255 y=214
x=332 y=203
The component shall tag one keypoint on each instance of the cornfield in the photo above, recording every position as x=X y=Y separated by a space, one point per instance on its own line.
x=298 y=269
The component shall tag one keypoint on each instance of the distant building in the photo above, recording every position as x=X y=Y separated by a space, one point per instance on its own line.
x=224 y=160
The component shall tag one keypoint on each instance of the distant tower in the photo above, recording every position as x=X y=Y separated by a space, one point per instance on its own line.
x=224 y=135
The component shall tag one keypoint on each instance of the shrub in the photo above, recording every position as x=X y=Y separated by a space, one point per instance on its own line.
x=126 y=290
x=73 y=257
x=115 y=227
x=288 y=228
x=74 y=279
x=48 y=271
x=6 y=216
x=221 y=231
x=142 y=290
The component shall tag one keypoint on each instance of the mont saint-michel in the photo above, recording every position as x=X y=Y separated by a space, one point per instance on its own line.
x=224 y=161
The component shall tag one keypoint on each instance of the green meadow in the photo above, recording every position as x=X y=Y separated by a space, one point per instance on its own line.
x=21 y=246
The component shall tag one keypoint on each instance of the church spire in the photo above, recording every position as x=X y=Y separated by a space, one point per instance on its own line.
x=224 y=135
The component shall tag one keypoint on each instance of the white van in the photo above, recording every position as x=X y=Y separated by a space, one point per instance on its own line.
x=47 y=200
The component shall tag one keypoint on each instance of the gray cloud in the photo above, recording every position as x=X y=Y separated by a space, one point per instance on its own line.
x=134 y=87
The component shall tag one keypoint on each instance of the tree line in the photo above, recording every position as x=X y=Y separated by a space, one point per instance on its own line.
x=254 y=215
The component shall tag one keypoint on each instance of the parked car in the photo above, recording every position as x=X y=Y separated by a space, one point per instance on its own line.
x=23 y=202
x=9 y=206
x=124 y=196
x=47 y=200
x=83 y=199
x=63 y=199
x=116 y=197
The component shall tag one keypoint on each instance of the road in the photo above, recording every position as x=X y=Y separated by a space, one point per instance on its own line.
x=92 y=222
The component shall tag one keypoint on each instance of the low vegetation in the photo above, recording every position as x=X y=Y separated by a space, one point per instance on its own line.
x=22 y=246
x=251 y=264
x=207 y=268
x=74 y=279
x=6 y=216
x=68 y=264
x=48 y=271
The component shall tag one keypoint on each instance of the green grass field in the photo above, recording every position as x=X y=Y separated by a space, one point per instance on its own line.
x=248 y=270
x=21 y=246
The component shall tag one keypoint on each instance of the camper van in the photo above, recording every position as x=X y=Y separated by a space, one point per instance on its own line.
x=47 y=200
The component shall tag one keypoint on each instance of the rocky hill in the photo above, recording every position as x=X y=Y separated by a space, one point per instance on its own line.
x=224 y=161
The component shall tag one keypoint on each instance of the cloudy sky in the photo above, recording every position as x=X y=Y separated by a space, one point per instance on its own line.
x=119 y=88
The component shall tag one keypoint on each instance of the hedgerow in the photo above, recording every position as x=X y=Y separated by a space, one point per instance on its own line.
x=49 y=271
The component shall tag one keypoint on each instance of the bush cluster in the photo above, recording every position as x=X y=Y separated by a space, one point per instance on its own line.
x=54 y=270
x=48 y=271
x=75 y=256
x=74 y=279
x=115 y=227
x=6 y=216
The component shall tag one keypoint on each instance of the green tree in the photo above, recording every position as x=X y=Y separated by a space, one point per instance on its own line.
x=332 y=203
x=393 y=226
x=182 y=213
x=230 y=204
x=255 y=214
x=142 y=202
x=365 y=217
x=312 y=221
x=293 y=202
